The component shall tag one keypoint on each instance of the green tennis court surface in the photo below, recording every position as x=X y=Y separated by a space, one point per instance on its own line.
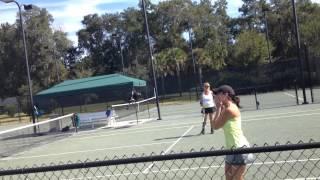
x=177 y=131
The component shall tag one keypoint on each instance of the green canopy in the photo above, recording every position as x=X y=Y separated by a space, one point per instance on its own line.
x=87 y=85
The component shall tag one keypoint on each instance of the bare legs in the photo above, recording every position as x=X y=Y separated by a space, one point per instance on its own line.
x=211 y=116
x=204 y=123
x=235 y=172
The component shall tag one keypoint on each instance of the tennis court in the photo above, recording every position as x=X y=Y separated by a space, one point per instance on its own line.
x=177 y=131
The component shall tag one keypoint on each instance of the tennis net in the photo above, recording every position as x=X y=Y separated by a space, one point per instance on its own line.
x=138 y=110
x=22 y=138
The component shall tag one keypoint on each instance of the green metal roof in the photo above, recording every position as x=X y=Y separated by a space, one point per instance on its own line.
x=95 y=82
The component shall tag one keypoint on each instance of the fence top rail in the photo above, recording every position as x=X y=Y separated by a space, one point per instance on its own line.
x=132 y=160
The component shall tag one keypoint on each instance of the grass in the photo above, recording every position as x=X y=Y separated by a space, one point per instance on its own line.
x=164 y=100
x=5 y=119
x=24 y=118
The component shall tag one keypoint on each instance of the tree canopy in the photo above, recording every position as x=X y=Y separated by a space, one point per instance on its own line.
x=217 y=39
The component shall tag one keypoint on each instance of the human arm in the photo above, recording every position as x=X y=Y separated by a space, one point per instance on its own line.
x=221 y=115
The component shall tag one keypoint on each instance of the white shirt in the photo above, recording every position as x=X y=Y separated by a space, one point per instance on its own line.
x=207 y=100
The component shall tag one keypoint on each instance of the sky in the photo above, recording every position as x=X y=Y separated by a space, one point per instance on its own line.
x=68 y=14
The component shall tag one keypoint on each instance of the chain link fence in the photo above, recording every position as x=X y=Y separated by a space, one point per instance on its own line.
x=288 y=161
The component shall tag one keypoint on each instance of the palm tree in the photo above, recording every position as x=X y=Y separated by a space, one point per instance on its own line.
x=169 y=61
x=161 y=66
x=180 y=58
x=203 y=59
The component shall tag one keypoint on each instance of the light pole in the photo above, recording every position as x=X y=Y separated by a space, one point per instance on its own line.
x=55 y=59
x=281 y=39
x=121 y=53
x=151 y=57
x=267 y=31
x=299 y=51
x=25 y=54
x=193 y=60
x=56 y=63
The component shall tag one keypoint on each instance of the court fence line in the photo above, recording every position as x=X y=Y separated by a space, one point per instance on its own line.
x=270 y=162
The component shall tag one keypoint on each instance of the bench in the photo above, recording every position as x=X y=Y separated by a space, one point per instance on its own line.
x=92 y=119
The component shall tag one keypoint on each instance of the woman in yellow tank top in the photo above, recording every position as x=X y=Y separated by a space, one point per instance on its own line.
x=228 y=117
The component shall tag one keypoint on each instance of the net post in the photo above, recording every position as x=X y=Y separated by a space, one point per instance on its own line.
x=137 y=107
x=306 y=53
x=113 y=117
x=92 y=123
x=148 y=109
x=256 y=99
x=299 y=58
x=296 y=91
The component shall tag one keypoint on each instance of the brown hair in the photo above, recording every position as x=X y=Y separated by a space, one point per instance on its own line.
x=235 y=99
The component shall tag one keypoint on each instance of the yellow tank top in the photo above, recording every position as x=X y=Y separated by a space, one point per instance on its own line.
x=233 y=134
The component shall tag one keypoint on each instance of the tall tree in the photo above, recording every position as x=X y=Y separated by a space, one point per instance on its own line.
x=12 y=62
x=46 y=48
x=251 y=14
x=309 y=17
x=250 y=49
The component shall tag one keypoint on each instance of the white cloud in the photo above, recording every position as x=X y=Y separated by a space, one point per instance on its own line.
x=69 y=17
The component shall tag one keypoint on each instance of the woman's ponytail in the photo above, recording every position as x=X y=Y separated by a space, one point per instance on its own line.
x=236 y=100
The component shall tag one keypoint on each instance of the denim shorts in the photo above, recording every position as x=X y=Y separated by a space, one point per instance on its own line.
x=239 y=159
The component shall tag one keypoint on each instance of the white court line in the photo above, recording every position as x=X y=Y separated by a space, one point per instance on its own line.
x=93 y=150
x=294 y=96
x=160 y=127
x=279 y=117
x=170 y=147
x=308 y=178
x=276 y=116
x=151 y=129
x=188 y=123
x=258 y=119
x=194 y=124
x=286 y=113
x=201 y=167
x=128 y=123
x=132 y=132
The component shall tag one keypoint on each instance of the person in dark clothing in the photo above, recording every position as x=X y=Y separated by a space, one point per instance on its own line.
x=134 y=96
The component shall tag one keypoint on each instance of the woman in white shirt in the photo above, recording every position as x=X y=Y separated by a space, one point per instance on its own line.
x=208 y=106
